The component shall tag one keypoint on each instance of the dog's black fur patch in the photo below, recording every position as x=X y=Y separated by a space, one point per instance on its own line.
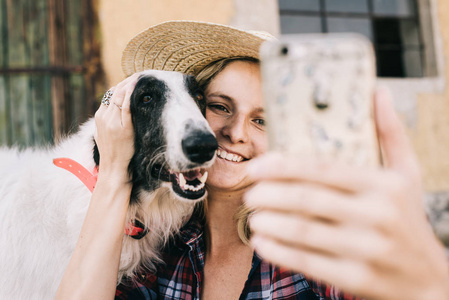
x=196 y=92
x=149 y=140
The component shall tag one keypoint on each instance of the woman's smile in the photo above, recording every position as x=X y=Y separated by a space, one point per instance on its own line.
x=230 y=156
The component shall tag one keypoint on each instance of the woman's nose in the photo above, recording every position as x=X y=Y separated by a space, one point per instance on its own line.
x=236 y=130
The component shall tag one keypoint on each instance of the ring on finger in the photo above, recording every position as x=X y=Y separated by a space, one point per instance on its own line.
x=107 y=97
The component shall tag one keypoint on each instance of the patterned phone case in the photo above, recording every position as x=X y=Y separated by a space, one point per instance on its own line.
x=318 y=92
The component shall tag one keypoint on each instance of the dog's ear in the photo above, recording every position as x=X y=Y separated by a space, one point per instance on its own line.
x=201 y=102
x=96 y=154
x=196 y=92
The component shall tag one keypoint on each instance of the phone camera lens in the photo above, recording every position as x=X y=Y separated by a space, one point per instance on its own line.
x=284 y=50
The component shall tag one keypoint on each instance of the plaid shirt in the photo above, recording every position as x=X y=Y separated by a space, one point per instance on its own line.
x=181 y=275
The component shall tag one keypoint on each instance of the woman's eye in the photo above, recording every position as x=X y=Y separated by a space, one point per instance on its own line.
x=146 y=99
x=260 y=121
x=219 y=107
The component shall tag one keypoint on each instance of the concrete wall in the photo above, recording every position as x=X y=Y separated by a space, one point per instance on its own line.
x=425 y=109
x=121 y=20
x=430 y=134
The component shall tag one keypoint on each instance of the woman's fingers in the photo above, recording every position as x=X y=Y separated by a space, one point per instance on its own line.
x=123 y=88
x=322 y=237
x=397 y=149
x=121 y=95
x=336 y=175
x=306 y=199
x=316 y=202
x=125 y=110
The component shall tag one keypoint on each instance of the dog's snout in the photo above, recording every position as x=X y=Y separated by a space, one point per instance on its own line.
x=199 y=146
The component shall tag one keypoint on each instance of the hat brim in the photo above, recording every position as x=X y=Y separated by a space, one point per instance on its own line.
x=188 y=46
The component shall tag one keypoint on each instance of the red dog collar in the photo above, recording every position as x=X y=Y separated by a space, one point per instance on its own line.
x=135 y=229
x=86 y=177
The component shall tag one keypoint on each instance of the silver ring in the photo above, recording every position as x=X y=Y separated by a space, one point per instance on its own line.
x=107 y=97
x=119 y=106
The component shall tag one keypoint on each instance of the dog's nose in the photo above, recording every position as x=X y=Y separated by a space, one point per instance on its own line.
x=199 y=146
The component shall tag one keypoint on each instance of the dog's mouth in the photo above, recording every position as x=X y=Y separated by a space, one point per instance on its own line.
x=188 y=184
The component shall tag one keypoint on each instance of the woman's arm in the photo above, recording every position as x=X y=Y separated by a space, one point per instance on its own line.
x=364 y=231
x=93 y=268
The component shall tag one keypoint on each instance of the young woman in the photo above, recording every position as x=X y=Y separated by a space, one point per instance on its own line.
x=363 y=231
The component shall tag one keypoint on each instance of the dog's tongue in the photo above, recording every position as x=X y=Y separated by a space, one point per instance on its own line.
x=191 y=175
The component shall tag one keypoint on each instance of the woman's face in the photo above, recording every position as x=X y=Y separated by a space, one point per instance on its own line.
x=234 y=110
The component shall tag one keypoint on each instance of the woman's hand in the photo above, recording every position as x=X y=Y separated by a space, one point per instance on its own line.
x=97 y=252
x=115 y=132
x=364 y=231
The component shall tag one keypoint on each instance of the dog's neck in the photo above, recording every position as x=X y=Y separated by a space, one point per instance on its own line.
x=134 y=229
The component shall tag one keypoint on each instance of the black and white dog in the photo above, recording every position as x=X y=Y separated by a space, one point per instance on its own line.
x=42 y=207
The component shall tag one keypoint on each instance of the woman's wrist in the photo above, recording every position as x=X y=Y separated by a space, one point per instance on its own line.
x=115 y=173
x=114 y=185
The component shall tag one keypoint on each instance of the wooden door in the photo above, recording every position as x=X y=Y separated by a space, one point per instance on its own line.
x=50 y=72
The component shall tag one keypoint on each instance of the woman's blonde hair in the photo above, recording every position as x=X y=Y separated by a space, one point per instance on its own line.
x=204 y=77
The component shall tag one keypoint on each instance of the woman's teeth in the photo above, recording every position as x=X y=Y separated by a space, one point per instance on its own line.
x=229 y=156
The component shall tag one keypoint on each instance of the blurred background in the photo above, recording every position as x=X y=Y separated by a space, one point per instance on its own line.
x=57 y=57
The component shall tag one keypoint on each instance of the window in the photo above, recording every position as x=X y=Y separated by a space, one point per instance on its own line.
x=393 y=26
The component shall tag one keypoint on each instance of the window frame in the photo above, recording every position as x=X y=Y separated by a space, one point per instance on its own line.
x=405 y=90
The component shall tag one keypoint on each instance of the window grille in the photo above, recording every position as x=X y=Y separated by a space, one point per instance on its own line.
x=393 y=26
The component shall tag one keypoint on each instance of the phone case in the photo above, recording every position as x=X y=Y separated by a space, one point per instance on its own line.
x=318 y=92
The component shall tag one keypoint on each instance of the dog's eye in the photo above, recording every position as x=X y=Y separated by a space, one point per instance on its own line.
x=146 y=99
x=199 y=96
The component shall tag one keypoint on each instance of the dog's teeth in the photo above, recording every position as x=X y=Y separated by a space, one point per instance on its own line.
x=204 y=177
x=182 y=181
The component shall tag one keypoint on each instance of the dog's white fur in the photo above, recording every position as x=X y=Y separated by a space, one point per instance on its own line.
x=42 y=209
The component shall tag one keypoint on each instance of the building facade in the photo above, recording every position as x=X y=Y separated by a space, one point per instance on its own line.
x=421 y=98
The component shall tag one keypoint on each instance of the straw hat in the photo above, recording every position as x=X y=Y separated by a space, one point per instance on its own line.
x=188 y=46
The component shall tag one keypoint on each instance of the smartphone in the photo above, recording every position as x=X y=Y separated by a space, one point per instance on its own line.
x=318 y=91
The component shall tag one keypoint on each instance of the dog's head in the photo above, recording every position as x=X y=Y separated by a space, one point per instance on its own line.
x=173 y=141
